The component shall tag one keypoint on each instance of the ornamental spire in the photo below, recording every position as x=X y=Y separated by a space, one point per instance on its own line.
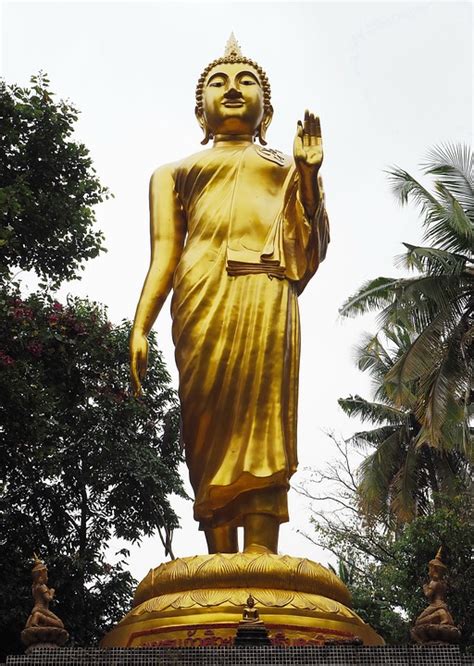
x=232 y=48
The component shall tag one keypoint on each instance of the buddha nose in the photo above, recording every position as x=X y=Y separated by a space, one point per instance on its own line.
x=232 y=93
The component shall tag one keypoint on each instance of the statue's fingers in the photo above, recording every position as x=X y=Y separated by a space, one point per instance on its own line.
x=298 y=150
x=317 y=127
x=312 y=130
x=306 y=122
x=298 y=142
x=142 y=367
x=136 y=384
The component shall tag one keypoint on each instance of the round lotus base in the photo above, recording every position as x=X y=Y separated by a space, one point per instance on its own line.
x=198 y=601
x=38 y=638
x=433 y=634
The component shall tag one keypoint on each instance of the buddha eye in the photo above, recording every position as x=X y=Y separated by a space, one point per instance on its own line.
x=247 y=82
x=216 y=83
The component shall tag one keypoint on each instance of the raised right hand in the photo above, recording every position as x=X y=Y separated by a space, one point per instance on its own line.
x=138 y=360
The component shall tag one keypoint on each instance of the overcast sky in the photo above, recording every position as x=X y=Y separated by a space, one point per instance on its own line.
x=389 y=81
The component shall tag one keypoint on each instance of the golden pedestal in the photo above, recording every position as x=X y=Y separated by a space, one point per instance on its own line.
x=198 y=601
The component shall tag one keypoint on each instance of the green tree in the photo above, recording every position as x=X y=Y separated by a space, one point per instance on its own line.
x=48 y=186
x=436 y=305
x=384 y=565
x=81 y=459
x=399 y=478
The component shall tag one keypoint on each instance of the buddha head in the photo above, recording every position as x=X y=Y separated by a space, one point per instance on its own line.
x=233 y=97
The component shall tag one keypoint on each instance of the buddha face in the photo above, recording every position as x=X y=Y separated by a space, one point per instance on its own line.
x=232 y=100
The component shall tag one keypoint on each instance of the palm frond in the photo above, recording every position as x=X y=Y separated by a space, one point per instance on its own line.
x=404 y=187
x=455 y=164
x=375 y=437
x=371 y=356
x=450 y=227
x=376 y=472
x=442 y=396
x=404 y=488
x=432 y=260
x=426 y=350
x=418 y=300
x=373 y=412
x=372 y=295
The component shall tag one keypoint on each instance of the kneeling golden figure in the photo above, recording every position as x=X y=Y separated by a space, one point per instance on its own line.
x=237 y=231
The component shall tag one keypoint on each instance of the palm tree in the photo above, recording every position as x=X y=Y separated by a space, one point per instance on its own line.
x=436 y=306
x=402 y=477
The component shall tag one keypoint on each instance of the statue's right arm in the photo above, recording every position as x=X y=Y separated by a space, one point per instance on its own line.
x=167 y=234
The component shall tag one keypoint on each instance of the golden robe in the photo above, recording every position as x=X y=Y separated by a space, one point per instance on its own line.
x=250 y=250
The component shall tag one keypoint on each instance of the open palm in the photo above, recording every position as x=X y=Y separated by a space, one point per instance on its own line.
x=308 y=145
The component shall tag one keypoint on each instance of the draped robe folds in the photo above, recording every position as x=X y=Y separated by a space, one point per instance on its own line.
x=250 y=250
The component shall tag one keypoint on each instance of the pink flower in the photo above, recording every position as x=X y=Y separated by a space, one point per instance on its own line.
x=35 y=348
x=57 y=306
x=5 y=359
x=53 y=319
x=22 y=313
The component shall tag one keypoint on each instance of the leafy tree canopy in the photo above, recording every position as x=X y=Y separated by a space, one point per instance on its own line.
x=48 y=186
x=436 y=306
x=385 y=568
x=82 y=460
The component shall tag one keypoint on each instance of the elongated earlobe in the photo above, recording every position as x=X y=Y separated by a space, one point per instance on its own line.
x=262 y=130
x=207 y=135
x=202 y=124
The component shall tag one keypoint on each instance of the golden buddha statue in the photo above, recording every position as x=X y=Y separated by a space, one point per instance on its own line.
x=237 y=231
x=250 y=614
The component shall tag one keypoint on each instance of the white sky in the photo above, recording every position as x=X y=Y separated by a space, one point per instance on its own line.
x=389 y=81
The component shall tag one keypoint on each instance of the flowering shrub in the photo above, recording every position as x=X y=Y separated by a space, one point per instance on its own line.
x=81 y=460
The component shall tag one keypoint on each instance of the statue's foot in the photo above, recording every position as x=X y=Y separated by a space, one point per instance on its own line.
x=257 y=548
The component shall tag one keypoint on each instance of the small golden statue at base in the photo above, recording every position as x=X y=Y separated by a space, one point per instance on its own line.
x=250 y=614
x=251 y=629
x=43 y=629
x=435 y=624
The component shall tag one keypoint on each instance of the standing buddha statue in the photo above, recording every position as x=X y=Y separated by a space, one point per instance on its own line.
x=237 y=231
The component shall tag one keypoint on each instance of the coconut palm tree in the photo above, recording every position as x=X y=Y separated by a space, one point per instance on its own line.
x=436 y=306
x=401 y=477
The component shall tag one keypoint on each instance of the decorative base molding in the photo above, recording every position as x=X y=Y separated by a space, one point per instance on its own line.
x=198 y=602
x=387 y=655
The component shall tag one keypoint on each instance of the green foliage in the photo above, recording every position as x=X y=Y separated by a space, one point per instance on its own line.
x=82 y=460
x=452 y=527
x=385 y=566
x=399 y=478
x=435 y=307
x=48 y=186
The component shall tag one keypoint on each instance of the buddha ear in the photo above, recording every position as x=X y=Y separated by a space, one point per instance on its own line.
x=262 y=130
x=203 y=126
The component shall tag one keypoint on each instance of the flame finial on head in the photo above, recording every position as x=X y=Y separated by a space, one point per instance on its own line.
x=232 y=48
x=38 y=565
